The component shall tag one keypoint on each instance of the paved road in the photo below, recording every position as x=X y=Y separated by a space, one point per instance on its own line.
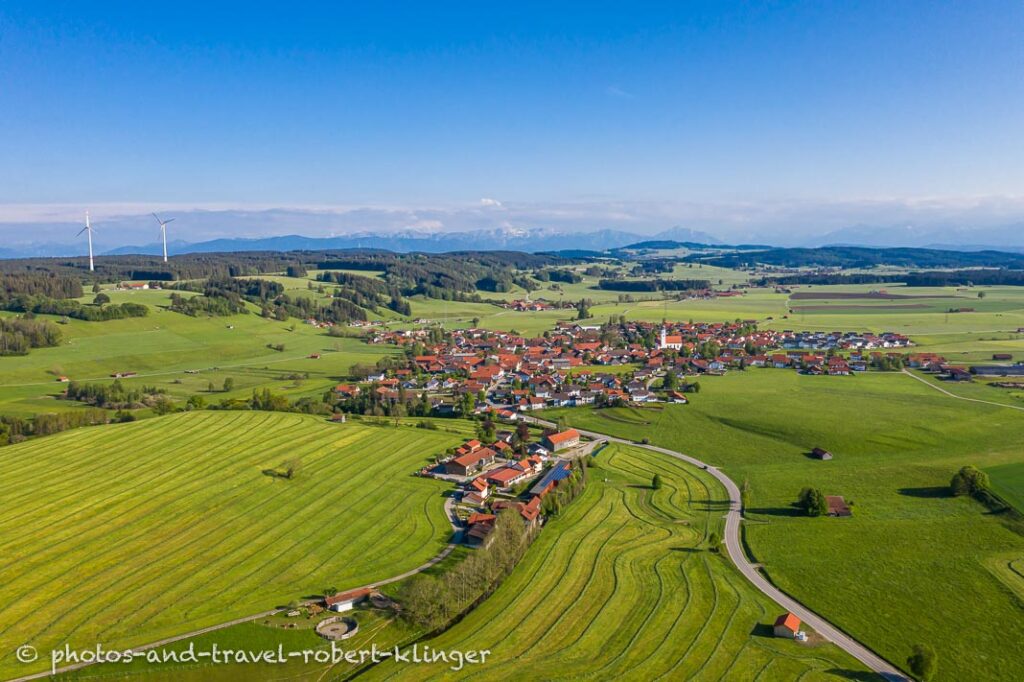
x=449 y=508
x=959 y=397
x=734 y=546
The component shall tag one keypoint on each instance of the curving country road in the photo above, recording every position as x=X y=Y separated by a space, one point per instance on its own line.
x=734 y=545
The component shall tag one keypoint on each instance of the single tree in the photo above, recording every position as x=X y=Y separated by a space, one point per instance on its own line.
x=714 y=541
x=923 y=662
x=969 y=481
x=656 y=482
x=229 y=384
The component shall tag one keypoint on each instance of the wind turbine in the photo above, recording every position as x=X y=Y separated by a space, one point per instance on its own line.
x=88 y=229
x=163 y=232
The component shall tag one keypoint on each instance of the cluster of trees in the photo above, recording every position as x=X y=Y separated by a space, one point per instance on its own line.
x=16 y=429
x=974 y=482
x=20 y=334
x=48 y=285
x=366 y=292
x=653 y=284
x=887 y=363
x=559 y=275
x=432 y=602
x=206 y=305
x=44 y=305
x=371 y=403
x=116 y=396
x=813 y=502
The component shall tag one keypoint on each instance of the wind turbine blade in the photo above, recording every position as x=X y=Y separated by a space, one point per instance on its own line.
x=169 y=220
x=81 y=231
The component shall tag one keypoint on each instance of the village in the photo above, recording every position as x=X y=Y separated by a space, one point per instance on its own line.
x=622 y=363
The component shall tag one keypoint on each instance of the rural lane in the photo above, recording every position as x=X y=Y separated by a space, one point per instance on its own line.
x=734 y=545
x=449 y=509
x=940 y=389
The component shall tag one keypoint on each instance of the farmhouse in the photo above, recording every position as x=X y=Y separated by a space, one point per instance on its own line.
x=345 y=601
x=569 y=438
x=837 y=506
x=787 y=625
x=470 y=462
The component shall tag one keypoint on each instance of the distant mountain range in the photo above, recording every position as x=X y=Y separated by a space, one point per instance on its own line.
x=1001 y=238
x=403 y=242
x=1006 y=238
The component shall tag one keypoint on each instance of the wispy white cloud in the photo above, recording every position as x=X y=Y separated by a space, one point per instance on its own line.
x=616 y=91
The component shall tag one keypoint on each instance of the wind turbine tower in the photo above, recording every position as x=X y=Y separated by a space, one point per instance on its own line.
x=163 y=232
x=88 y=231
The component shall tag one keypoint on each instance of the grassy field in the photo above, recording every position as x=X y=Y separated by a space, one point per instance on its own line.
x=162 y=346
x=622 y=587
x=1008 y=482
x=127 y=533
x=911 y=556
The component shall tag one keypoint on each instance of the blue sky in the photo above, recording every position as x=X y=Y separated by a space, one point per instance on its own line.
x=646 y=109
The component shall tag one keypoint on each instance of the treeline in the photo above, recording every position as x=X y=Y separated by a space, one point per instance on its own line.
x=653 y=284
x=432 y=603
x=863 y=257
x=48 y=285
x=448 y=276
x=931 y=278
x=43 y=305
x=18 y=335
x=146 y=268
x=17 y=429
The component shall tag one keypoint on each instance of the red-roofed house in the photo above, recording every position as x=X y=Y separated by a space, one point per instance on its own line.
x=344 y=601
x=569 y=438
x=469 y=463
x=787 y=625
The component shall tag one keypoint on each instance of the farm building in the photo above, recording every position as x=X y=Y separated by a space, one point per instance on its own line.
x=478 y=529
x=469 y=463
x=821 y=453
x=558 y=472
x=569 y=438
x=787 y=625
x=345 y=601
x=837 y=506
x=1002 y=356
x=999 y=370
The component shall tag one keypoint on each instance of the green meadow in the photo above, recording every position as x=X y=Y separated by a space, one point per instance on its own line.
x=124 y=534
x=165 y=347
x=623 y=586
x=912 y=564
